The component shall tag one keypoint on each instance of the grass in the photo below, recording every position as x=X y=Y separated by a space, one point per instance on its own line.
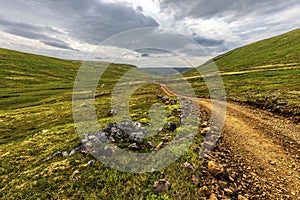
x=265 y=74
x=36 y=121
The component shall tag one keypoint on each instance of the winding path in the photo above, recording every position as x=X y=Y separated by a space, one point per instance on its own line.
x=267 y=143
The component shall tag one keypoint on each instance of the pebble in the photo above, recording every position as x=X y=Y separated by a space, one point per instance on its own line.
x=133 y=146
x=188 y=167
x=162 y=185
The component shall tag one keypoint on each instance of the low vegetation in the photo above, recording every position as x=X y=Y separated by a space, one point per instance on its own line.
x=265 y=74
x=36 y=121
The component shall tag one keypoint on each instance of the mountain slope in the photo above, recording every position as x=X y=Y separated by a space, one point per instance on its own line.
x=265 y=73
x=282 y=49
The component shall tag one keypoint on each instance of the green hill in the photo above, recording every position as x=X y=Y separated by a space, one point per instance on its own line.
x=282 y=49
x=36 y=121
x=265 y=73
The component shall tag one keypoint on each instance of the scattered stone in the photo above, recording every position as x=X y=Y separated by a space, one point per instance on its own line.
x=172 y=102
x=172 y=126
x=165 y=98
x=65 y=154
x=205 y=130
x=158 y=146
x=133 y=146
x=195 y=180
x=204 y=124
x=162 y=185
x=230 y=191
x=58 y=154
x=74 y=151
x=150 y=144
x=214 y=168
x=188 y=167
x=91 y=162
x=204 y=190
x=213 y=197
x=137 y=137
x=241 y=197
x=112 y=113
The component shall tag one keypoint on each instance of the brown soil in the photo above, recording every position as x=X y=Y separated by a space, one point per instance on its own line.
x=261 y=147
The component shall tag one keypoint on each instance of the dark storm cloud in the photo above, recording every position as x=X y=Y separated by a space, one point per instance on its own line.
x=208 y=42
x=89 y=21
x=34 y=32
x=93 y=21
x=219 y=8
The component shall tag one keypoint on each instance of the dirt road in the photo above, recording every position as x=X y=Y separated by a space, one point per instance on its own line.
x=263 y=147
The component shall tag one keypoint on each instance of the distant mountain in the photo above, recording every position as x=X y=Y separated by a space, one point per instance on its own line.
x=165 y=71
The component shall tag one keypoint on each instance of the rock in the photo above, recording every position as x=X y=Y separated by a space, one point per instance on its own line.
x=65 y=154
x=172 y=102
x=172 y=126
x=162 y=185
x=159 y=146
x=165 y=98
x=137 y=137
x=74 y=151
x=150 y=144
x=204 y=190
x=58 y=154
x=208 y=145
x=188 y=167
x=133 y=146
x=89 y=144
x=92 y=137
x=137 y=126
x=230 y=191
x=213 y=197
x=205 y=130
x=102 y=137
x=91 y=162
x=223 y=184
x=241 y=197
x=195 y=180
x=214 y=168
x=85 y=140
x=204 y=124
x=112 y=113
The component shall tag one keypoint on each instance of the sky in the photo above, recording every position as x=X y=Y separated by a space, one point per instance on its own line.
x=164 y=30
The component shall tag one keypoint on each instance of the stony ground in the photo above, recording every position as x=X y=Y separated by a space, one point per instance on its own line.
x=257 y=156
x=259 y=153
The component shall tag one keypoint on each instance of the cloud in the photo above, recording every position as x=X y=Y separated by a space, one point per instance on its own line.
x=87 y=21
x=59 y=27
x=34 y=32
x=208 y=42
x=217 y=8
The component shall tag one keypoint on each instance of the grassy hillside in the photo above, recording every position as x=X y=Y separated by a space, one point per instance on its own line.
x=265 y=73
x=36 y=121
x=282 y=49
